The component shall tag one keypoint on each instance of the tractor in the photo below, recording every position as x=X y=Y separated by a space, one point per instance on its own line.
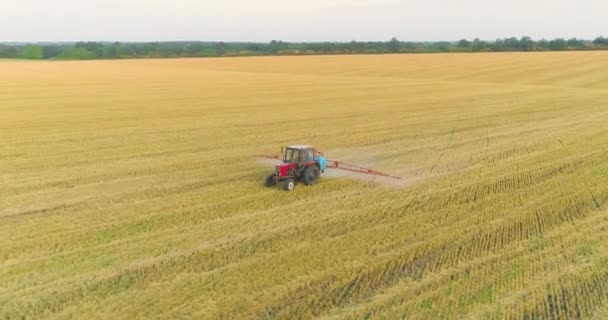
x=300 y=163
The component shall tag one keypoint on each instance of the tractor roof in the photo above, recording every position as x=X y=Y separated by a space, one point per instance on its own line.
x=299 y=146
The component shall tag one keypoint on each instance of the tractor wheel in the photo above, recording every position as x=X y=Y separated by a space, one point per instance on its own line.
x=269 y=181
x=289 y=184
x=310 y=175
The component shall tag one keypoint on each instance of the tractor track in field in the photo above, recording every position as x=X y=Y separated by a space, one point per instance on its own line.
x=597 y=202
x=322 y=295
x=435 y=163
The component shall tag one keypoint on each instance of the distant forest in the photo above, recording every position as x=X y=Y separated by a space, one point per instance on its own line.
x=118 y=50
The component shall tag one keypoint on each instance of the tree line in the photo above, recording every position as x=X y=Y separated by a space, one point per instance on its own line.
x=117 y=50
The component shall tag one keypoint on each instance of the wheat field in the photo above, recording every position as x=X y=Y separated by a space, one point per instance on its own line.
x=130 y=189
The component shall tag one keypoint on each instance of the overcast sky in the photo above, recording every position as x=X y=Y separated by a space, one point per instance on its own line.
x=304 y=20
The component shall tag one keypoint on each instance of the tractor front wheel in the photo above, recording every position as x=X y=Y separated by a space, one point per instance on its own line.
x=289 y=184
x=270 y=181
x=311 y=175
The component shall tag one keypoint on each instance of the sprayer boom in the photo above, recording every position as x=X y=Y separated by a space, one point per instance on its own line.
x=333 y=164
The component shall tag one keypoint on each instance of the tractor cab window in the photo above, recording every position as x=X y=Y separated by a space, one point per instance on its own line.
x=292 y=156
x=310 y=155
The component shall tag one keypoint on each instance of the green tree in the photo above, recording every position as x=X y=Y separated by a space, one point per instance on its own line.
x=442 y=46
x=526 y=44
x=275 y=46
x=558 y=44
x=393 y=45
x=498 y=45
x=409 y=46
x=511 y=43
x=95 y=47
x=94 y=50
x=32 y=52
x=575 y=43
x=600 y=41
x=543 y=44
x=478 y=45
x=463 y=43
x=51 y=51
x=120 y=50
x=220 y=48
x=78 y=53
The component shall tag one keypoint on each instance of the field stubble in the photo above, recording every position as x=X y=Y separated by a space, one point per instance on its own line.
x=130 y=188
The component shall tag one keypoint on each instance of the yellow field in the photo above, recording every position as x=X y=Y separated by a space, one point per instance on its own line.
x=129 y=189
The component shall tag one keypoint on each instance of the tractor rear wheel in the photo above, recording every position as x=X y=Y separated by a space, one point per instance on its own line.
x=270 y=181
x=289 y=184
x=310 y=175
